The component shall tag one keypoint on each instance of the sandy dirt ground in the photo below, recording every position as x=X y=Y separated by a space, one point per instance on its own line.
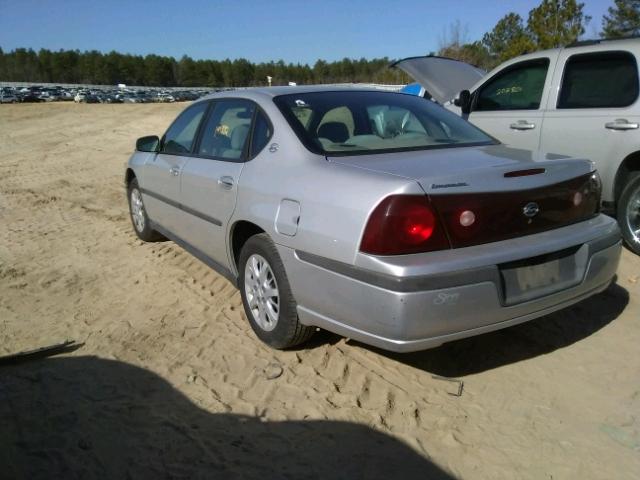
x=171 y=382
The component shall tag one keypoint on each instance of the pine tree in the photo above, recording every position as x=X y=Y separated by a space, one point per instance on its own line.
x=623 y=19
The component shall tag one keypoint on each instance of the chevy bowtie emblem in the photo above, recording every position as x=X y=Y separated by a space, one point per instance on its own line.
x=531 y=209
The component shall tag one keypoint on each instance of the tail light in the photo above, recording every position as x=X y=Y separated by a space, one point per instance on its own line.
x=403 y=224
x=477 y=218
x=593 y=190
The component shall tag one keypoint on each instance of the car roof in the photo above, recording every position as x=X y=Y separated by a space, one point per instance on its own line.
x=588 y=46
x=271 y=92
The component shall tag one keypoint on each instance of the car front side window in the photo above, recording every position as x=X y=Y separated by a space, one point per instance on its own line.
x=518 y=87
x=179 y=138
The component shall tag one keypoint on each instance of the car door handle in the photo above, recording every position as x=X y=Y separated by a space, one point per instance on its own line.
x=621 y=124
x=226 y=182
x=522 y=125
x=175 y=171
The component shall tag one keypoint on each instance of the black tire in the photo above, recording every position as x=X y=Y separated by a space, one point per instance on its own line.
x=288 y=331
x=630 y=194
x=145 y=233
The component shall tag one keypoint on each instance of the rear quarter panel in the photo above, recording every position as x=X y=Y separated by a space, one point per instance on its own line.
x=335 y=200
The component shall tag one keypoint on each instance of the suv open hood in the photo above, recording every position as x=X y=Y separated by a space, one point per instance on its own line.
x=442 y=77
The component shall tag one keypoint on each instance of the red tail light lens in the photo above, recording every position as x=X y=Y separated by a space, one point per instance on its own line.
x=502 y=215
x=403 y=224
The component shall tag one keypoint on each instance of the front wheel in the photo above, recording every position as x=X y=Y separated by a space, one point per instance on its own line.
x=138 y=213
x=266 y=295
x=629 y=213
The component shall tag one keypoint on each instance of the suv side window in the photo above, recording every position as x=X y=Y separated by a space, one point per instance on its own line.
x=181 y=134
x=599 y=80
x=262 y=132
x=518 y=87
x=225 y=133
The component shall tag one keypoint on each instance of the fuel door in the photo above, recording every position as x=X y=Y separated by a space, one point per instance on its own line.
x=288 y=217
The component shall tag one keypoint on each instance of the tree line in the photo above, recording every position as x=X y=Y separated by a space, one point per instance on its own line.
x=552 y=23
x=93 y=67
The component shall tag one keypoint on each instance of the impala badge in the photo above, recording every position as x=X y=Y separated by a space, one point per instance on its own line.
x=531 y=209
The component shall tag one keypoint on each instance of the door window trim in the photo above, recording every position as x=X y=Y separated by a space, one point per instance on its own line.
x=597 y=53
x=259 y=110
x=476 y=93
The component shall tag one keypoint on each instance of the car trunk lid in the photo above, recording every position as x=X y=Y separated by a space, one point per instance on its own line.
x=493 y=193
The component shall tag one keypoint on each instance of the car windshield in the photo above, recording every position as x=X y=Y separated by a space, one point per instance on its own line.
x=348 y=123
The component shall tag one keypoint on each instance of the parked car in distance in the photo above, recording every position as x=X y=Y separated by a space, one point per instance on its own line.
x=30 y=97
x=86 y=97
x=581 y=100
x=7 y=96
x=375 y=215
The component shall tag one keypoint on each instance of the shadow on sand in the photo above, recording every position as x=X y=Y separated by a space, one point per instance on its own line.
x=521 y=342
x=85 y=417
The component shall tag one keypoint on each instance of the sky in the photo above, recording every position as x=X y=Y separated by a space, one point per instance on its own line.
x=294 y=31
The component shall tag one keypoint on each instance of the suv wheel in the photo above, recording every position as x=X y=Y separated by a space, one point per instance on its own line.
x=138 y=213
x=629 y=213
x=266 y=295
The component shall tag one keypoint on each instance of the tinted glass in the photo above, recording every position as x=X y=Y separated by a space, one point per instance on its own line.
x=181 y=134
x=261 y=134
x=599 y=80
x=227 y=128
x=518 y=88
x=343 y=123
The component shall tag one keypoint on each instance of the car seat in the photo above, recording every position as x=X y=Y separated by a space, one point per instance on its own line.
x=238 y=139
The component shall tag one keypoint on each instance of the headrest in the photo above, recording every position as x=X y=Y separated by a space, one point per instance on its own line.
x=335 y=131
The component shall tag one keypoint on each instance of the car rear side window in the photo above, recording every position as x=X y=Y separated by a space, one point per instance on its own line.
x=518 y=87
x=179 y=138
x=225 y=134
x=599 y=80
x=261 y=134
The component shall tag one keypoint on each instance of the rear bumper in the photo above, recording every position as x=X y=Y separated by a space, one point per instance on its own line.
x=415 y=312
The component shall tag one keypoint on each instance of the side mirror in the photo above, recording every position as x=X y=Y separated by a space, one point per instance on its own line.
x=464 y=101
x=148 y=144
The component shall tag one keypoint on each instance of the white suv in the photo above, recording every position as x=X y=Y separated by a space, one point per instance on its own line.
x=581 y=100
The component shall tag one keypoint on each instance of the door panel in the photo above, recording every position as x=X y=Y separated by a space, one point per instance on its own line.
x=508 y=105
x=161 y=188
x=517 y=129
x=161 y=182
x=210 y=180
x=209 y=189
x=592 y=113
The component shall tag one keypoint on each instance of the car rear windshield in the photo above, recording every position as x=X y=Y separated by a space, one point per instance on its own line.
x=350 y=123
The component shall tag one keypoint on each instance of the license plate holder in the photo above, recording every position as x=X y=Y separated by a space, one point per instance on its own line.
x=535 y=277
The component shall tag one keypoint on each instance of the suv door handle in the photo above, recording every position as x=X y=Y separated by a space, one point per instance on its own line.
x=621 y=124
x=226 y=182
x=522 y=125
x=175 y=171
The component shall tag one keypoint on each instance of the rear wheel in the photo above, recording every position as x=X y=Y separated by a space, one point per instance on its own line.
x=266 y=295
x=138 y=213
x=629 y=212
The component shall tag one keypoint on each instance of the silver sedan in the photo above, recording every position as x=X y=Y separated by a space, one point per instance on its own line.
x=376 y=215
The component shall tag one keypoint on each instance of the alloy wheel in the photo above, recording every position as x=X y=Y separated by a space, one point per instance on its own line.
x=261 y=291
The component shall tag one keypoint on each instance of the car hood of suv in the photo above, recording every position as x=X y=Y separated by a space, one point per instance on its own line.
x=491 y=168
x=442 y=77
